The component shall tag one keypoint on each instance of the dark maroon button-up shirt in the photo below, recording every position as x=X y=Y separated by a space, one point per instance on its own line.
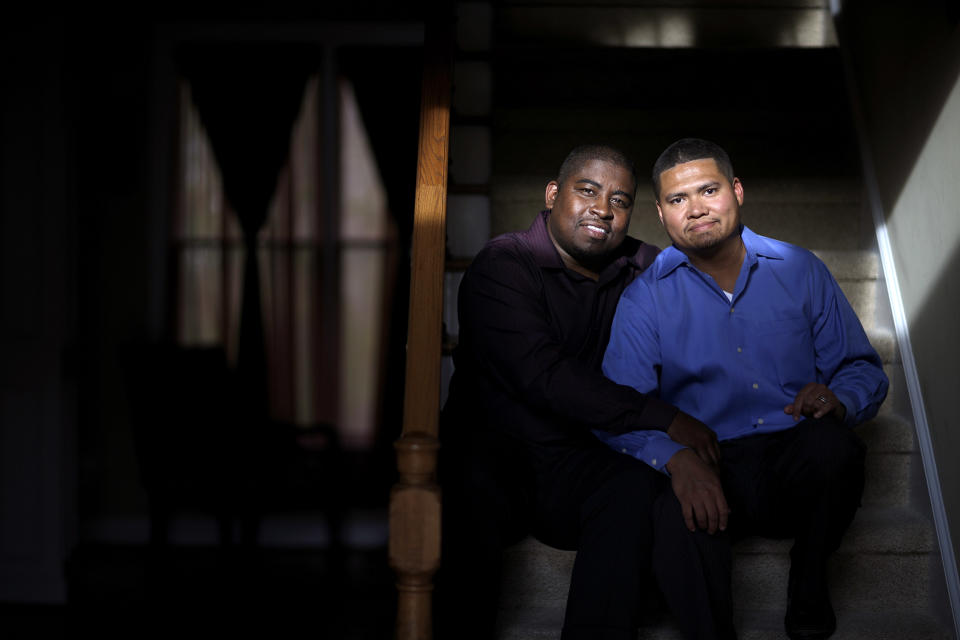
x=532 y=338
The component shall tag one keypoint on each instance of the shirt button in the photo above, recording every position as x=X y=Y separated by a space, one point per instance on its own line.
x=739 y=349
x=624 y=450
x=756 y=386
x=654 y=462
x=760 y=421
x=731 y=309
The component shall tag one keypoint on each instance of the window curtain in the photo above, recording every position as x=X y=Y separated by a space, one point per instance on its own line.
x=248 y=97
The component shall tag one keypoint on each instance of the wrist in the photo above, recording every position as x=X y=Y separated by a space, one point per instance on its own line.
x=840 y=412
x=675 y=459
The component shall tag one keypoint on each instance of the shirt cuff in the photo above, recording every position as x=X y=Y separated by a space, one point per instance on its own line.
x=850 y=418
x=656 y=453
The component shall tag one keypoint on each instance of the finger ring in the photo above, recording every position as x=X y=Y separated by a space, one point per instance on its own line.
x=822 y=399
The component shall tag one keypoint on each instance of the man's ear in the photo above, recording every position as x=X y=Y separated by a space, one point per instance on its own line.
x=659 y=211
x=551 y=194
x=738 y=189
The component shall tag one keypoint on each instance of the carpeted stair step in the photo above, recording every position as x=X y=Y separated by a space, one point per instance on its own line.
x=756 y=625
x=768 y=625
x=539 y=575
x=814 y=225
x=887 y=433
x=862 y=296
x=863 y=582
x=850 y=264
x=888 y=479
x=881 y=568
x=885 y=342
x=882 y=575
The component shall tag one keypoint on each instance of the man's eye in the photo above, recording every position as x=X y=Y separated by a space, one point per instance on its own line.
x=587 y=190
x=710 y=191
x=675 y=200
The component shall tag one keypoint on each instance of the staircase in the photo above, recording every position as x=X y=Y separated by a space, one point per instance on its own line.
x=886 y=579
x=782 y=116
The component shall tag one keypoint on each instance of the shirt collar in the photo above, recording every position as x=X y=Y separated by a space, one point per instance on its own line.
x=756 y=246
x=544 y=252
x=759 y=245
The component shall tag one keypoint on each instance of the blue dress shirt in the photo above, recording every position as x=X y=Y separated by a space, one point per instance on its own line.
x=736 y=363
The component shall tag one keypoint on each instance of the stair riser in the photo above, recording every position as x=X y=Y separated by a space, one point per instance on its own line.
x=851 y=265
x=858 y=582
x=862 y=296
x=887 y=434
x=888 y=479
x=536 y=575
x=862 y=582
x=769 y=626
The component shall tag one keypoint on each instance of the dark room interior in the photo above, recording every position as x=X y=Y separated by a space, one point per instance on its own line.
x=205 y=271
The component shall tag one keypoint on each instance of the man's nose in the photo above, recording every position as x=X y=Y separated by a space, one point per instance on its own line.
x=602 y=208
x=697 y=208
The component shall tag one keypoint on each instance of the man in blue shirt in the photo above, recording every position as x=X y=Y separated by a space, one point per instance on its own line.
x=754 y=337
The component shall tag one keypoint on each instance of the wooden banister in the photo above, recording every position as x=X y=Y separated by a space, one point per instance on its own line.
x=414 y=548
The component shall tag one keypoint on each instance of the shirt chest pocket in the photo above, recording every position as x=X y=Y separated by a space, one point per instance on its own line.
x=785 y=345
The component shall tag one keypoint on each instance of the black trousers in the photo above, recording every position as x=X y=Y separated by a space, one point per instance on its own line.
x=803 y=483
x=619 y=514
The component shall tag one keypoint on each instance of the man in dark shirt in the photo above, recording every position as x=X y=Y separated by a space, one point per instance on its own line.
x=535 y=310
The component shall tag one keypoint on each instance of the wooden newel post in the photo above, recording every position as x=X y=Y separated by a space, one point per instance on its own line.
x=415 y=533
x=415 y=500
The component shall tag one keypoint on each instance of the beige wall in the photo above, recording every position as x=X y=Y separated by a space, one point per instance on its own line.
x=905 y=63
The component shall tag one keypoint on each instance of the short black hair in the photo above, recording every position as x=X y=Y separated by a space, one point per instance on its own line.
x=687 y=150
x=585 y=153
